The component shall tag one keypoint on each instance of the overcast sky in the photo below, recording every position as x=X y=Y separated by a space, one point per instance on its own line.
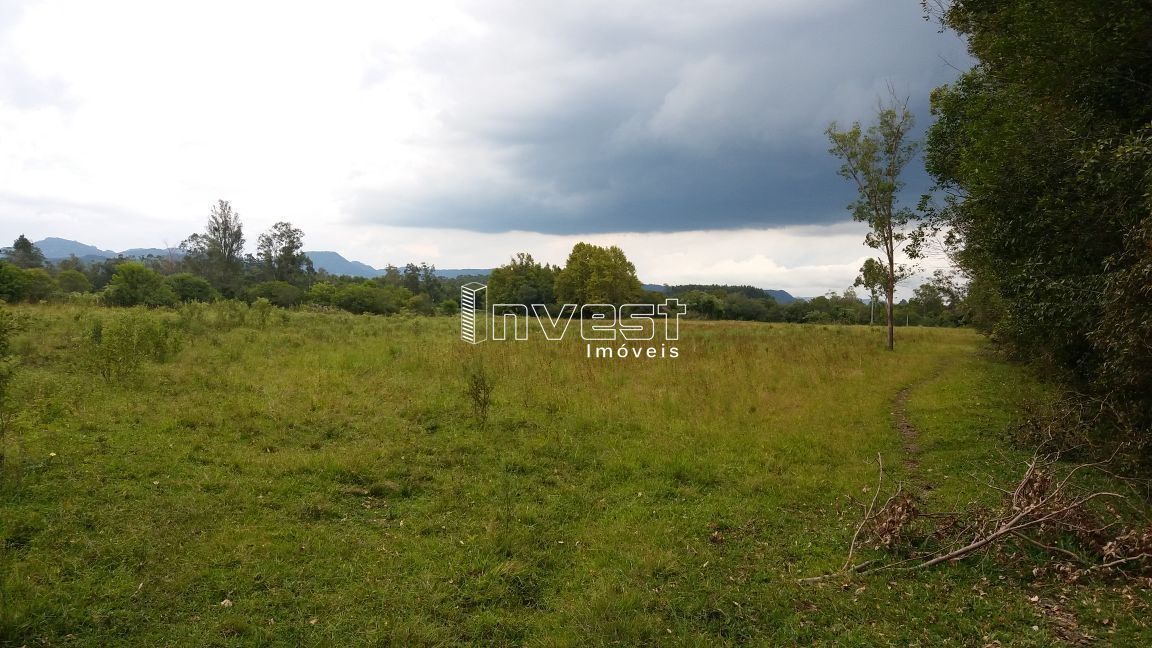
x=458 y=132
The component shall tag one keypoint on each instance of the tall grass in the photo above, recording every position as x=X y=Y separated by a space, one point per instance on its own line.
x=329 y=477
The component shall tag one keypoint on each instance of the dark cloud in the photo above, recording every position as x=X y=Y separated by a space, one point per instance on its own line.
x=659 y=116
x=639 y=122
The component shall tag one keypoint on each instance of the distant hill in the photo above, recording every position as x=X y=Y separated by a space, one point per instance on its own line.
x=781 y=296
x=452 y=273
x=58 y=248
x=55 y=249
x=156 y=252
x=335 y=263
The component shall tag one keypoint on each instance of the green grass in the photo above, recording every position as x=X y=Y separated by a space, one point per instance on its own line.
x=326 y=476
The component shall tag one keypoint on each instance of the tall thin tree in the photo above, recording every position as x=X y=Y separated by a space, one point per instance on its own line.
x=873 y=161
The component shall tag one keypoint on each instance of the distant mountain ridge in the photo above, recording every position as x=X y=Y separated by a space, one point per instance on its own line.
x=57 y=249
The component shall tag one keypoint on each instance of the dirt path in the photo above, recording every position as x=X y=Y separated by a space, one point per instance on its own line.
x=909 y=435
x=908 y=432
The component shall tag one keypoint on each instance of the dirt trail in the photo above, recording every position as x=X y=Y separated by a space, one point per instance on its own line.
x=908 y=432
x=909 y=435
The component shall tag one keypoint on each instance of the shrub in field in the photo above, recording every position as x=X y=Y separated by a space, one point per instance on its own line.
x=38 y=284
x=366 y=298
x=135 y=285
x=73 y=281
x=116 y=347
x=261 y=309
x=191 y=316
x=479 y=388
x=321 y=293
x=192 y=288
x=230 y=313
x=279 y=293
x=12 y=282
x=421 y=304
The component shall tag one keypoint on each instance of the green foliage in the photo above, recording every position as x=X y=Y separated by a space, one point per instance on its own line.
x=1043 y=155
x=421 y=304
x=597 y=275
x=192 y=288
x=192 y=316
x=38 y=284
x=369 y=297
x=10 y=325
x=321 y=293
x=874 y=159
x=73 y=281
x=24 y=254
x=230 y=313
x=522 y=281
x=479 y=384
x=218 y=253
x=280 y=254
x=114 y=347
x=261 y=309
x=13 y=282
x=135 y=285
x=279 y=293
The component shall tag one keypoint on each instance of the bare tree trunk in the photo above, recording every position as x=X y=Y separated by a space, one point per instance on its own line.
x=890 y=291
x=891 y=323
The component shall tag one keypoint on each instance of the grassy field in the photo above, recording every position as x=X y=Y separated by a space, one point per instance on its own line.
x=322 y=479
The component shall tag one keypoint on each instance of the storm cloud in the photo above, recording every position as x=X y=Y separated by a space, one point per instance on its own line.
x=461 y=132
x=655 y=116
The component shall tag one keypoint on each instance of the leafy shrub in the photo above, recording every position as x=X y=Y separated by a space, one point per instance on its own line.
x=73 y=281
x=116 y=347
x=367 y=298
x=478 y=388
x=261 y=309
x=191 y=316
x=230 y=313
x=12 y=282
x=322 y=293
x=135 y=285
x=192 y=288
x=279 y=293
x=38 y=284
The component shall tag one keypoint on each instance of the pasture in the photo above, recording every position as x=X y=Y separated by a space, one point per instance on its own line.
x=299 y=478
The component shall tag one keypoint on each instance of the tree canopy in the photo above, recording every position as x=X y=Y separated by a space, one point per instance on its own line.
x=597 y=275
x=1042 y=154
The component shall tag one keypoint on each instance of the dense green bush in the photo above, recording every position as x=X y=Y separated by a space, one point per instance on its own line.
x=192 y=288
x=73 y=281
x=12 y=282
x=279 y=293
x=135 y=285
x=38 y=284
x=369 y=298
x=322 y=293
x=1043 y=153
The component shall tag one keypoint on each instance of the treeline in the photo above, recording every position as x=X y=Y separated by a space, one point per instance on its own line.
x=212 y=265
x=1042 y=154
x=937 y=303
x=604 y=275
